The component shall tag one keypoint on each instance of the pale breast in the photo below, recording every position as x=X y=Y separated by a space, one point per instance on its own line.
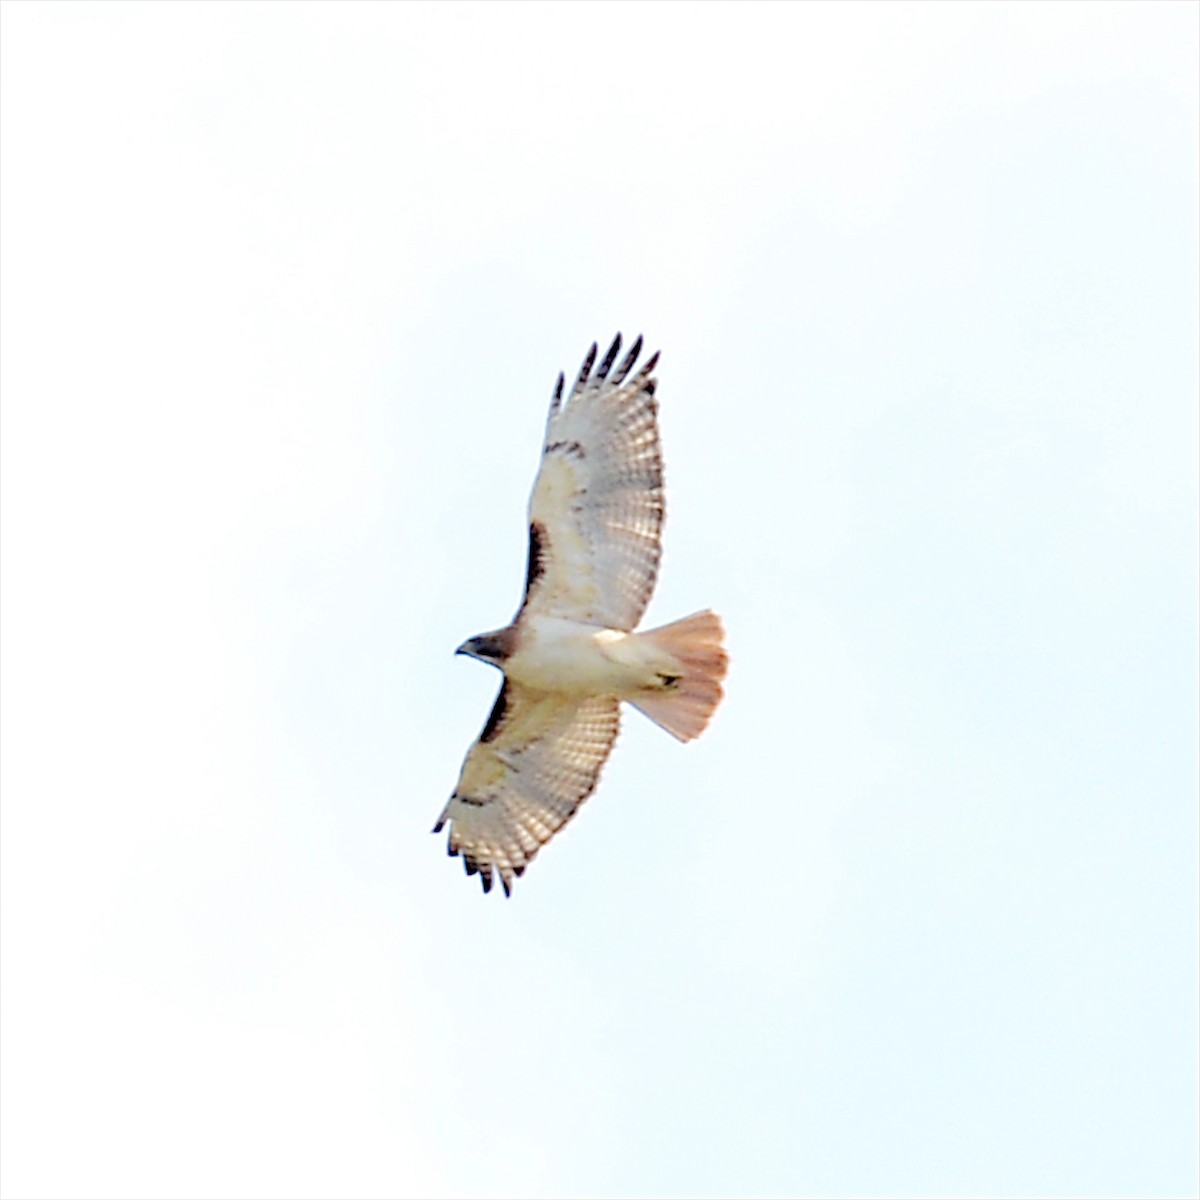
x=557 y=655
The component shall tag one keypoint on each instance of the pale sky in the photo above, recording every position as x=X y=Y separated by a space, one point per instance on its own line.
x=284 y=291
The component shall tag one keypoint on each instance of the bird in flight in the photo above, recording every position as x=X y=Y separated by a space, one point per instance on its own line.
x=571 y=655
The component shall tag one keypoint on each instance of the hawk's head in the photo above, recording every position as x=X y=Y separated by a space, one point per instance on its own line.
x=493 y=648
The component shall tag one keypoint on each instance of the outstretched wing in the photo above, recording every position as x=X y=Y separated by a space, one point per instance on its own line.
x=536 y=761
x=596 y=513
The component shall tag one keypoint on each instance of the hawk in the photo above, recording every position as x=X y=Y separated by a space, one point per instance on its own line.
x=571 y=655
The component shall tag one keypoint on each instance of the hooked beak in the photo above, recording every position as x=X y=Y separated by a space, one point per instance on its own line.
x=467 y=648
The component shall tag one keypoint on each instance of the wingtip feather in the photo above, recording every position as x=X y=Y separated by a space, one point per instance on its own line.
x=586 y=369
x=628 y=361
x=609 y=358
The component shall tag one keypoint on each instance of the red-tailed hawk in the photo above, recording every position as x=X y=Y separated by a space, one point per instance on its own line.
x=570 y=655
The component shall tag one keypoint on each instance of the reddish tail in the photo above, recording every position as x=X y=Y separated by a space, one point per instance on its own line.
x=684 y=706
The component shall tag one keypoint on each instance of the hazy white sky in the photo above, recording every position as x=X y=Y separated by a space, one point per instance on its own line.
x=284 y=292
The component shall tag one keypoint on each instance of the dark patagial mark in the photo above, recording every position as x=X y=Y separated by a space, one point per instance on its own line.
x=493 y=724
x=574 y=449
x=534 y=567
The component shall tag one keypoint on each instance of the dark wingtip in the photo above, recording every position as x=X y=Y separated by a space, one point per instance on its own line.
x=650 y=364
x=609 y=358
x=586 y=369
x=627 y=363
x=438 y=827
x=556 y=399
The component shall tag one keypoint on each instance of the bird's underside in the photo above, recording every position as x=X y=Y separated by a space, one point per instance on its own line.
x=571 y=656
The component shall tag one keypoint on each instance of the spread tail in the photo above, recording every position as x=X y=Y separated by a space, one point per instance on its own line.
x=686 y=701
